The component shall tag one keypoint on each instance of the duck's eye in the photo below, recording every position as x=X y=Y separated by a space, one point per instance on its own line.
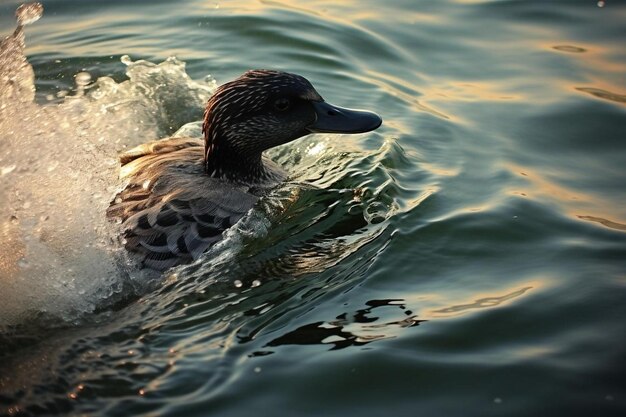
x=282 y=104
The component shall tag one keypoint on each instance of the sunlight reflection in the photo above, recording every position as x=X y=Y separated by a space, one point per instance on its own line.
x=479 y=301
x=603 y=94
x=545 y=187
x=475 y=92
x=316 y=149
x=484 y=302
x=345 y=11
x=574 y=203
x=605 y=222
x=569 y=48
x=605 y=74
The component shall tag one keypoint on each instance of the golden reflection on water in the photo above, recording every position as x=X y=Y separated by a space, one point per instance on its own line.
x=475 y=91
x=439 y=170
x=604 y=222
x=530 y=352
x=414 y=202
x=481 y=300
x=574 y=203
x=595 y=57
x=545 y=188
x=606 y=75
x=569 y=48
x=603 y=94
x=441 y=94
x=345 y=11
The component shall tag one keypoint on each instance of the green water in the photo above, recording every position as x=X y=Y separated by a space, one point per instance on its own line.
x=466 y=259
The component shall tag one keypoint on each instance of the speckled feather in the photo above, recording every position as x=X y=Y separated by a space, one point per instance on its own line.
x=170 y=211
x=182 y=193
x=227 y=136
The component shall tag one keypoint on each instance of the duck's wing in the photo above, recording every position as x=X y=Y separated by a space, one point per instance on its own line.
x=179 y=230
x=159 y=147
x=170 y=211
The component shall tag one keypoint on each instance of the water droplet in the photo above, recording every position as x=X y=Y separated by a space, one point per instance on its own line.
x=256 y=283
x=82 y=79
x=497 y=400
x=257 y=369
x=601 y=3
x=238 y=283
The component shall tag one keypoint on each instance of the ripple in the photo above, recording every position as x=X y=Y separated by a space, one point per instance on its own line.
x=603 y=94
x=326 y=284
x=341 y=332
x=401 y=89
x=569 y=48
x=608 y=223
x=486 y=302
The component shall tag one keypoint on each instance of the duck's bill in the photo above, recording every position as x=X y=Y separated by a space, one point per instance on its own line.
x=335 y=119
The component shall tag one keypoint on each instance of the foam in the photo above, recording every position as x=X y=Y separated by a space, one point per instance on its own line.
x=59 y=256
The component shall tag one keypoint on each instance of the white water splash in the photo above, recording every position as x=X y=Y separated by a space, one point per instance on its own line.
x=58 y=254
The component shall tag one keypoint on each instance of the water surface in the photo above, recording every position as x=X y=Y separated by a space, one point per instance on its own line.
x=466 y=259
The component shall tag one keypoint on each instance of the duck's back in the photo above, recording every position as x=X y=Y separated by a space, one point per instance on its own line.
x=171 y=211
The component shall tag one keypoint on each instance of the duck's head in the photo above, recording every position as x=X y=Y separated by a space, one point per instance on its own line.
x=262 y=109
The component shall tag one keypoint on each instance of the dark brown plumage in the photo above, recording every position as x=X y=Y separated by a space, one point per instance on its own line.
x=183 y=193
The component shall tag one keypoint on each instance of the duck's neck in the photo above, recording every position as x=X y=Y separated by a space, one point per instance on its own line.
x=223 y=162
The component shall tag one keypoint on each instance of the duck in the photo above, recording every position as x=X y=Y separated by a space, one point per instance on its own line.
x=181 y=194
